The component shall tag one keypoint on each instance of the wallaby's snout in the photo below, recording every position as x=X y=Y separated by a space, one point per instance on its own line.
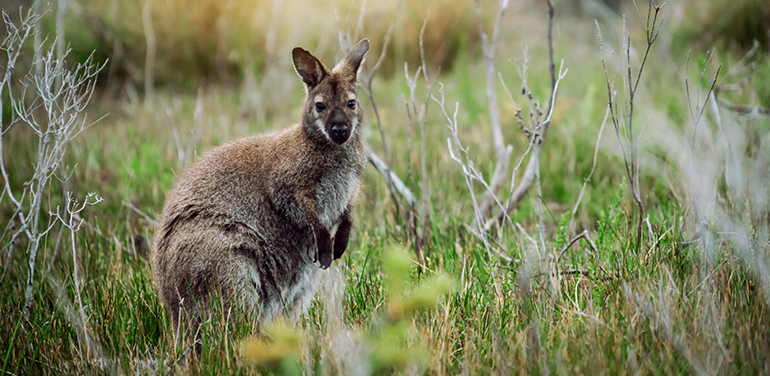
x=340 y=131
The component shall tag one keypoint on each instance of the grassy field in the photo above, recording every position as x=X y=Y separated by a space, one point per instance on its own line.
x=693 y=298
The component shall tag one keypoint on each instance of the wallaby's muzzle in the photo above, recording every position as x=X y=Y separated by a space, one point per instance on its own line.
x=339 y=131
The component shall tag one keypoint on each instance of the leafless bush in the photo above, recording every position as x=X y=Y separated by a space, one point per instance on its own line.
x=722 y=161
x=470 y=173
x=54 y=116
x=395 y=184
x=70 y=218
x=413 y=209
x=534 y=123
x=623 y=117
x=726 y=151
x=696 y=108
x=502 y=152
x=418 y=115
x=743 y=73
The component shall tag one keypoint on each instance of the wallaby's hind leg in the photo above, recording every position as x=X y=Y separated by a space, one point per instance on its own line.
x=224 y=277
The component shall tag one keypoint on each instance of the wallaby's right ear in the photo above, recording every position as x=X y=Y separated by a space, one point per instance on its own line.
x=308 y=67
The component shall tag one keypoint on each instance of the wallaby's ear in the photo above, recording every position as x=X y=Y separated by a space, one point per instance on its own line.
x=308 y=67
x=350 y=64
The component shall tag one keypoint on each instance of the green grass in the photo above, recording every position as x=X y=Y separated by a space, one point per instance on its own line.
x=667 y=308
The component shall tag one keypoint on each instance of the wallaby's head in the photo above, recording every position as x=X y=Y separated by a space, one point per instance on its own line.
x=331 y=109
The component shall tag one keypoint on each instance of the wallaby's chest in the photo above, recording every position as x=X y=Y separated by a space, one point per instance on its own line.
x=334 y=192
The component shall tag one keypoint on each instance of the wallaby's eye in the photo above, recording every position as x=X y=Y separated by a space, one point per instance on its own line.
x=319 y=106
x=351 y=104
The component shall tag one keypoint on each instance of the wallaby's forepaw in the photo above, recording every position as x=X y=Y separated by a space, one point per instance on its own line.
x=325 y=253
x=340 y=246
x=342 y=237
x=325 y=260
x=323 y=242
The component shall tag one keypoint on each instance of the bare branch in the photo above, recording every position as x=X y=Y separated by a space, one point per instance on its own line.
x=502 y=152
x=465 y=164
x=744 y=110
x=698 y=107
x=386 y=172
x=411 y=111
x=151 y=221
x=594 y=251
x=551 y=67
x=536 y=140
x=696 y=113
x=470 y=173
x=625 y=123
x=72 y=211
x=366 y=78
x=418 y=117
x=593 y=168
x=422 y=120
x=743 y=70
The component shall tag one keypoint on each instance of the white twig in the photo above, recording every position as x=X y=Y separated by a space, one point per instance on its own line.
x=502 y=151
x=536 y=140
x=470 y=173
x=72 y=210
x=593 y=168
x=151 y=221
x=399 y=185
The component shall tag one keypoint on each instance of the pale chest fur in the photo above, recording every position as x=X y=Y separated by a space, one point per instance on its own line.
x=334 y=192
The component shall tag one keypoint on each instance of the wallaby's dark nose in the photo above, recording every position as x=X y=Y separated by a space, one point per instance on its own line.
x=339 y=130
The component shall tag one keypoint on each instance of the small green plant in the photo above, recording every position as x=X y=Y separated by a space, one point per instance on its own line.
x=277 y=349
x=391 y=339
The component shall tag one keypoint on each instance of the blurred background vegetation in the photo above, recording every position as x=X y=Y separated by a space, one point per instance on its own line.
x=222 y=70
x=218 y=41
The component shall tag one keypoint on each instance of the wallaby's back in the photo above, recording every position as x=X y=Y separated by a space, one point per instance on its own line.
x=249 y=220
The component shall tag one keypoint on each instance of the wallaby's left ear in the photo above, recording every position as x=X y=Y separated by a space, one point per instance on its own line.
x=350 y=64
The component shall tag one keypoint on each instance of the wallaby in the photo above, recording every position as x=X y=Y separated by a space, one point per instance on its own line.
x=249 y=220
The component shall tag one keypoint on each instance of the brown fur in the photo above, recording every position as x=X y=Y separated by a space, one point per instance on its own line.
x=251 y=218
